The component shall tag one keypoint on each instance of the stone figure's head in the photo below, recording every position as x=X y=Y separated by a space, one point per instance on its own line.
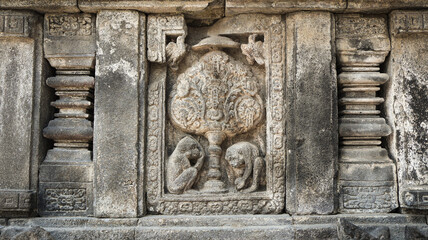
x=238 y=152
x=189 y=147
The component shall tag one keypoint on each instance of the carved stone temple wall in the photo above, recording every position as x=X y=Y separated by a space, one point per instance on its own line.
x=214 y=119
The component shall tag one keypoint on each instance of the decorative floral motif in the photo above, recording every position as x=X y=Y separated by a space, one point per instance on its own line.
x=70 y=25
x=73 y=199
x=198 y=114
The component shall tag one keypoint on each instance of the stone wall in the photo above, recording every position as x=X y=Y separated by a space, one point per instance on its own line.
x=213 y=118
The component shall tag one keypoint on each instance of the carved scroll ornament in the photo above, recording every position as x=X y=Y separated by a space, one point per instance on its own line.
x=217 y=97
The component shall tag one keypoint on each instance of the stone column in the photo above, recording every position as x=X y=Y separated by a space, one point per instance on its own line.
x=406 y=105
x=66 y=173
x=311 y=122
x=116 y=140
x=366 y=173
x=21 y=96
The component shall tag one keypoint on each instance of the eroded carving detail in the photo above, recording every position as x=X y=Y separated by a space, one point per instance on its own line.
x=218 y=98
x=184 y=165
x=253 y=50
x=175 y=52
x=70 y=25
x=367 y=197
x=270 y=200
x=66 y=199
x=159 y=27
x=247 y=166
x=14 y=25
x=409 y=22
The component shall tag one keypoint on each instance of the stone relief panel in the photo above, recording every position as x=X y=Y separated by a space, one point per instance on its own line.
x=215 y=138
x=406 y=105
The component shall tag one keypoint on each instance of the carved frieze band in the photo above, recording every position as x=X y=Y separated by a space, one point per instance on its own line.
x=408 y=22
x=65 y=25
x=14 y=25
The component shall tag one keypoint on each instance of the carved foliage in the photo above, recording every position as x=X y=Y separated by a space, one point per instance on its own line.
x=70 y=25
x=253 y=50
x=66 y=199
x=271 y=201
x=367 y=197
x=217 y=93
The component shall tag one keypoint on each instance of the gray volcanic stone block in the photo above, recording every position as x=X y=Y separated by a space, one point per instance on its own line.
x=200 y=9
x=116 y=114
x=383 y=6
x=21 y=71
x=69 y=6
x=281 y=6
x=312 y=139
x=406 y=105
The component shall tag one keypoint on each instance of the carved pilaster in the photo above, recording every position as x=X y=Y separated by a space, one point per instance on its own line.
x=366 y=173
x=21 y=88
x=66 y=172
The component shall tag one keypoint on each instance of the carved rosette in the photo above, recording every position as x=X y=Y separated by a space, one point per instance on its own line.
x=218 y=97
x=366 y=173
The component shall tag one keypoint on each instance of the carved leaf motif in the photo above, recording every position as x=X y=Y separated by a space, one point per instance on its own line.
x=218 y=93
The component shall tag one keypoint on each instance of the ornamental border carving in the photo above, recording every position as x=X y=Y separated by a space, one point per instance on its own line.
x=408 y=22
x=14 y=25
x=270 y=201
x=158 y=28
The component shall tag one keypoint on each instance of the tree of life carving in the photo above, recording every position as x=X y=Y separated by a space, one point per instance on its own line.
x=218 y=97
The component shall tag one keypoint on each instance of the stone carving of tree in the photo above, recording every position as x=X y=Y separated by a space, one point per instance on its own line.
x=218 y=97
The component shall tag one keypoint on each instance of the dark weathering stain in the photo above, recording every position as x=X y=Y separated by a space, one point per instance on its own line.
x=419 y=106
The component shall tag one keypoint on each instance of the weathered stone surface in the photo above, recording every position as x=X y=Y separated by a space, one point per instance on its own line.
x=203 y=9
x=69 y=40
x=383 y=6
x=32 y=233
x=223 y=227
x=311 y=120
x=406 y=105
x=117 y=77
x=69 y=6
x=281 y=6
x=284 y=6
x=367 y=179
x=21 y=70
x=347 y=230
x=67 y=171
x=214 y=102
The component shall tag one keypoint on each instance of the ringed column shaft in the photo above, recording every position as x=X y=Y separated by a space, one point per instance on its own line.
x=66 y=174
x=366 y=173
